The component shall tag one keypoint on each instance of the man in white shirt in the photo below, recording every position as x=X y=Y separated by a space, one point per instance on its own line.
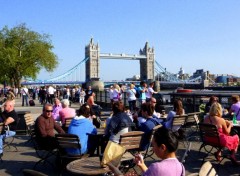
x=50 y=92
x=24 y=92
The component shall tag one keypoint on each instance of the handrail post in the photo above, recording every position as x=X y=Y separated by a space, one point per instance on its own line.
x=106 y=95
x=100 y=96
x=124 y=98
x=194 y=103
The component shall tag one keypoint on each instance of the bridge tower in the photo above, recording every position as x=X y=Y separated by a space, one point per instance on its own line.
x=147 y=65
x=92 y=65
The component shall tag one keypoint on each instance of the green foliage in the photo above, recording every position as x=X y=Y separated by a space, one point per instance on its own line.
x=23 y=53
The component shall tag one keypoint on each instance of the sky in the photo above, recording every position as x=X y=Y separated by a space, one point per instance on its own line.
x=193 y=34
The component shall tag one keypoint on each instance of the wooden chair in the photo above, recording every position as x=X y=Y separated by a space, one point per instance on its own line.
x=178 y=127
x=67 y=123
x=67 y=141
x=29 y=124
x=178 y=121
x=131 y=141
x=210 y=140
x=192 y=125
x=149 y=152
x=206 y=170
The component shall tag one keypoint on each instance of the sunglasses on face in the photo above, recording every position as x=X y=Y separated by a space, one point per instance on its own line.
x=49 y=110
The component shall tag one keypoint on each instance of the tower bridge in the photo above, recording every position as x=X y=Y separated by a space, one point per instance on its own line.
x=90 y=68
x=146 y=58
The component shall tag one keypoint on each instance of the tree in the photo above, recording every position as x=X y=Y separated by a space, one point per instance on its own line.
x=23 y=53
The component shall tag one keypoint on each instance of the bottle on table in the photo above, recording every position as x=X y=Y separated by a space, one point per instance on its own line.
x=234 y=118
x=104 y=124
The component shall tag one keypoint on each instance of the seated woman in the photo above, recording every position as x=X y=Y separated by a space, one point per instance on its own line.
x=82 y=126
x=177 y=110
x=120 y=122
x=224 y=128
x=164 y=146
x=94 y=110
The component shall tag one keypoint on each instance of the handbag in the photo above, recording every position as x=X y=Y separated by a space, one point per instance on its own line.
x=112 y=153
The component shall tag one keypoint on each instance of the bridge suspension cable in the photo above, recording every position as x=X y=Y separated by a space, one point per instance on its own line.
x=170 y=77
x=167 y=75
x=68 y=73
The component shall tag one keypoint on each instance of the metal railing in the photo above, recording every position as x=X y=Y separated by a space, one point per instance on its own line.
x=191 y=101
x=102 y=98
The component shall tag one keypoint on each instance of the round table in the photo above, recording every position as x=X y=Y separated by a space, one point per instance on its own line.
x=87 y=166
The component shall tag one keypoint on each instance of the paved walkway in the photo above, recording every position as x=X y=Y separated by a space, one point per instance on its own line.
x=25 y=158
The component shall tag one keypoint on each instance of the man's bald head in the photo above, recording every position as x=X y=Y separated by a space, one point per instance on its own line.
x=153 y=101
x=9 y=105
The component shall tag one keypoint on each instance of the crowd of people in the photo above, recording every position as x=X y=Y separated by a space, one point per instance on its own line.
x=123 y=119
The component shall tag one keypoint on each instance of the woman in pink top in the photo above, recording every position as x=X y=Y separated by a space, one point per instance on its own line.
x=66 y=112
x=224 y=129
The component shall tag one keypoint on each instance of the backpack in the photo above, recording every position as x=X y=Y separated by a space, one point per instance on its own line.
x=137 y=93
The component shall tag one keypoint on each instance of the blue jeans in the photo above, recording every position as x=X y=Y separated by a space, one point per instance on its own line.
x=6 y=135
x=24 y=97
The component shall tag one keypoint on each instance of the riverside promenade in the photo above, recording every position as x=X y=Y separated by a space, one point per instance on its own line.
x=25 y=158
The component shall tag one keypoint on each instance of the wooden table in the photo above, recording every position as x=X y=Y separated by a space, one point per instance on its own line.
x=87 y=166
x=164 y=117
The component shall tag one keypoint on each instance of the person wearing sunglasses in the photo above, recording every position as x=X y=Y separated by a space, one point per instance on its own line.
x=8 y=117
x=45 y=127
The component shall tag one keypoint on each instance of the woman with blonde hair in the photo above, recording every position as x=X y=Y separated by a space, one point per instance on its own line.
x=116 y=92
x=224 y=129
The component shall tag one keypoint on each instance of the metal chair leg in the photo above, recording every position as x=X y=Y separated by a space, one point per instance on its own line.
x=10 y=144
